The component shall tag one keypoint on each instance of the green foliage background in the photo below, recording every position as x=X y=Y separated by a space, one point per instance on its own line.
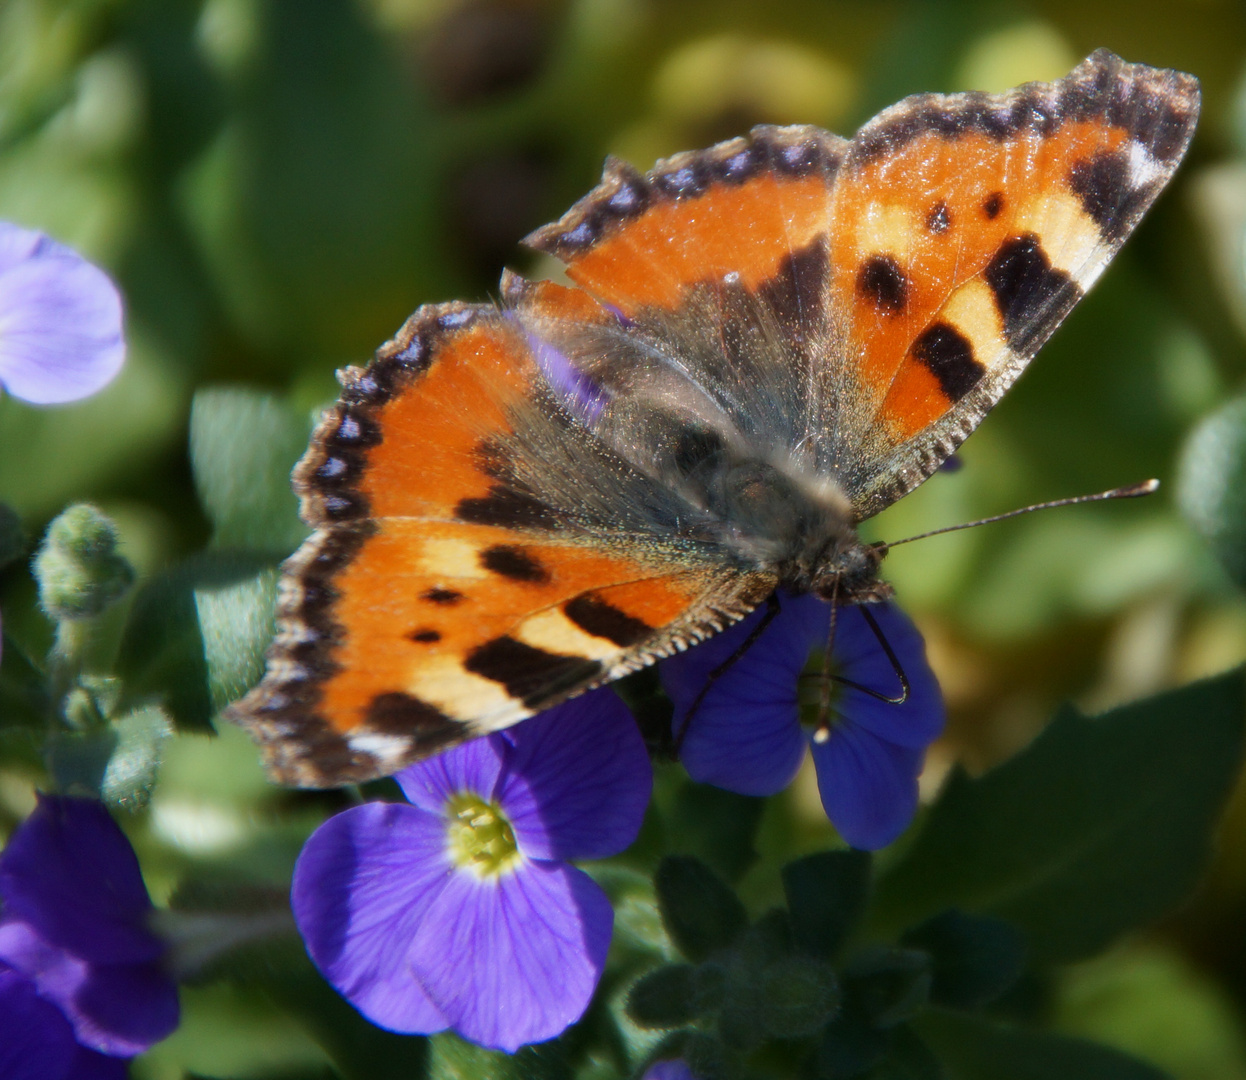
x=276 y=184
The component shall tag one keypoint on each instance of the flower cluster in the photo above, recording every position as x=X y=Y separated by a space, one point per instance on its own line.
x=457 y=909
x=82 y=986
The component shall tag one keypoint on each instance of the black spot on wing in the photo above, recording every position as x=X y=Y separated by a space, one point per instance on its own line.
x=529 y=674
x=881 y=281
x=396 y=713
x=594 y=616
x=797 y=292
x=938 y=218
x=948 y=355
x=506 y=505
x=1030 y=294
x=1104 y=185
x=513 y=562
x=425 y=636
x=442 y=596
x=992 y=205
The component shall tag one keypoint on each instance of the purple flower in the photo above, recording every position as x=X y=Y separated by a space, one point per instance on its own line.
x=60 y=320
x=457 y=909
x=670 y=1069
x=746 y=734
x=81 y=982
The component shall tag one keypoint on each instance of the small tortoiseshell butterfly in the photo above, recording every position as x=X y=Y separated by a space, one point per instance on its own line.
x=773 y=339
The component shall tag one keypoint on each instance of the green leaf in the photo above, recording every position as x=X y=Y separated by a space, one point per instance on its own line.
x=665 y=997
x=13 y=539
x=908 y=1058
x=162 y=653
x=826 y=895
x=887 y=985
x=236 y=625
x=453 y=1058
x=243 y=444
x=23 y=690
x=976 y=1049
x=359 y=1050
x=976 y=958
x=1099 y=826
x=700 y=912
x=717 y=826
x=131 y=771
x=1211 y=485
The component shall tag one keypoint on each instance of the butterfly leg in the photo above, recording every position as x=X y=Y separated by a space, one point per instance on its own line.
x=823 y=729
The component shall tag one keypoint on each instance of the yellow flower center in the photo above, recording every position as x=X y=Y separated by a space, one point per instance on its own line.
x=479 y=836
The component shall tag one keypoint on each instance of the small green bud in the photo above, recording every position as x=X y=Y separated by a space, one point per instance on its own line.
x=798 y=995
x=78 y=568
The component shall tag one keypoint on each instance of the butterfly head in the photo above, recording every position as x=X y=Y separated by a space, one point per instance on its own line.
x=847 y=572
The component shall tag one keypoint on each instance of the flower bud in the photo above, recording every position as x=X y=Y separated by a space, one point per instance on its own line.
x=78 y=568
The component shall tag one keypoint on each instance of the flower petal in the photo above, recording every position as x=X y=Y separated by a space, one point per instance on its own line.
x=90 y=1065
x=745 y=734
x=859 y=657
x=514 y=960
x=60 y=320
x=670 y=1069
x=475 y=766
x=578 y=779
x=36 y=1041
x=122 y=1009
x=118 y=1009
x=362 y=888
x=868 y=785
x=70 y=873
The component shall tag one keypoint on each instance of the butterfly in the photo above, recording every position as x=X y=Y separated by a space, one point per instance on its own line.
x=767 y=342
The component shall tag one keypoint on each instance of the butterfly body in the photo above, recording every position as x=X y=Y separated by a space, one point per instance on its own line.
x=770 y=341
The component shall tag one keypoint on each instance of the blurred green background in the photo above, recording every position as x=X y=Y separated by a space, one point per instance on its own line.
x=276 y=184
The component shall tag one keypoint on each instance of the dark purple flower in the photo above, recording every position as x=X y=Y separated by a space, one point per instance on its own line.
x=60 y=320
x=670 y=1069
x=77 y=957
x=456 y=909
x=746 y=734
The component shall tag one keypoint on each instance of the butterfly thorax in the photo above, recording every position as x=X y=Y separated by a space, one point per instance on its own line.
x=802 y=532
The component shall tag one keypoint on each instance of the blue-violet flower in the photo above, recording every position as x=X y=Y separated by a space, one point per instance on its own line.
x=746 y=735
x=457 y=909
x=60 y=320
x=669 y=1069
x=82 y=986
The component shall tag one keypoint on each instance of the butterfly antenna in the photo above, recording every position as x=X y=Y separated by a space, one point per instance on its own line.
x=1130 y=491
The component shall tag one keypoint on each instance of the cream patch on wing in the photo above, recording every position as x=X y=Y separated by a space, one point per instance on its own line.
x=445 y=557
x=552 y=631
x=972 y=310
x=442 y=681
x=1068 y=234
x=885 y=228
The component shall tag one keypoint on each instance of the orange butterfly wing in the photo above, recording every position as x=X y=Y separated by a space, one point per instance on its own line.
x=920 y=266
x=439 y=599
